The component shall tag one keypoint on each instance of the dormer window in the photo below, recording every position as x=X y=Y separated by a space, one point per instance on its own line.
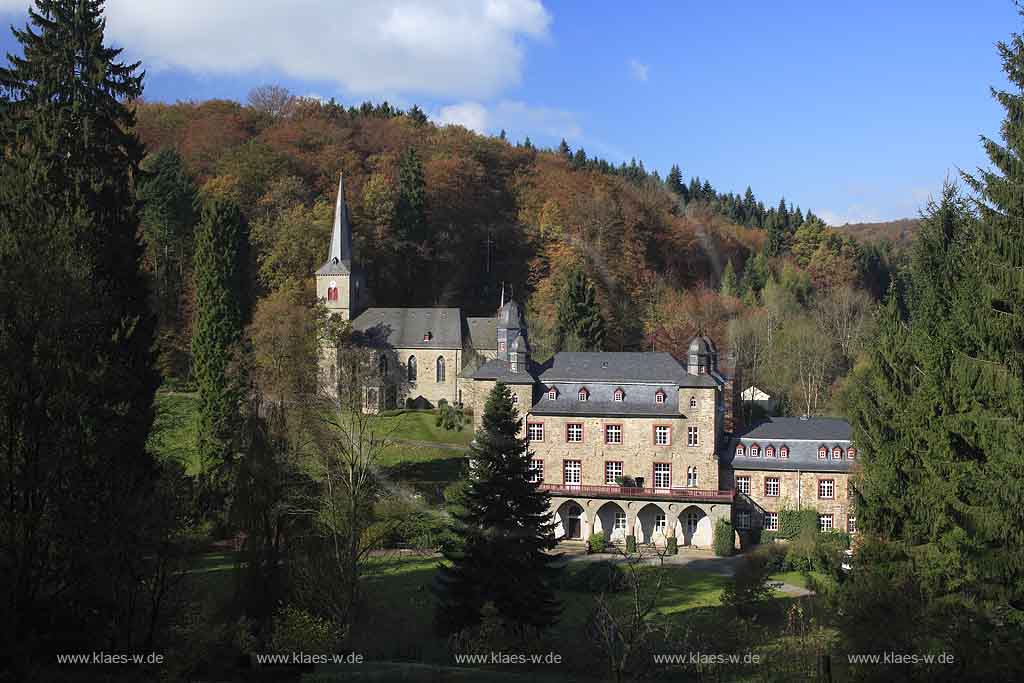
x=501 y=346
x=659 y=397
x=619 y=396
x=837 y=453
x=784 y=452
x=584 y=394
x=851 y=453
x=739 y=450
x=693 y=402
x=427 y=336
x=552 y=394
x=769 y=451
x=755 y=451
x=822 y=453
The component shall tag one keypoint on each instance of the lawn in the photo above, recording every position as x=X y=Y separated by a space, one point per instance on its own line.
x=174 y=433
x=421 y=425
x=799 y=579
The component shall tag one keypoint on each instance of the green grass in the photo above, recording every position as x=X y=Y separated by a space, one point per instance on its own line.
x=800 y=579
x=420 y=425
x=174 y=434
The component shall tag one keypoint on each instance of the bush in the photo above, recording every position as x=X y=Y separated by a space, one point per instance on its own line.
x=449 y=417
x=793 y=522
x=724 y=539
x=296 y=630
x=597 y=542
x=631 y=543
x=768 y=537
x=749 y=587
x=597 y=577
x=401 y=522
x=773 y=557
x=671 y=546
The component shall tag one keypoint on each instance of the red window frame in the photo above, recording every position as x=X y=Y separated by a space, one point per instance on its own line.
x=622 y=436
x=851 y=453
x=582 y=431
x=837 y=453
x=585 y=393
x=654 y=475
x=659 y=397
x=746 y=478
x=565 y=462
x=332 y=293
x=821 y=480
x=769 y=451
x=531 y=471
x=538 y=424
x=784 y=452
x=777 y=480
x=741 y=450
x=755 y=450
x=552 y=394
x=619 y=396
x=654 y=435
x=822 y=453
x=622 y=470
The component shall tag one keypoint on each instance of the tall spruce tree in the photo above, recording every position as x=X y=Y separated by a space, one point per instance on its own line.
x=412 y=264
x=216 y=332
x=76 y=371
x=730 y=283
x=580 y=325
x=504 y=529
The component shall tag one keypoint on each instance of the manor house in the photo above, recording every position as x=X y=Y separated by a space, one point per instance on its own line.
x=626 y=443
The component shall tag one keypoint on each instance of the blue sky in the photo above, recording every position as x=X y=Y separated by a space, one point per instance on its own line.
x=856 y=112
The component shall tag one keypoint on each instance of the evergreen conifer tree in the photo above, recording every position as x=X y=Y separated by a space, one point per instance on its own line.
x=580 y=325
x=216 y=331
x=730 y=284
x=77 y=378
x=674 y=181
x=504 y=528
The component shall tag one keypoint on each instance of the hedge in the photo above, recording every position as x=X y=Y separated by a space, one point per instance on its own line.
x=724 y=539
x=793 y=521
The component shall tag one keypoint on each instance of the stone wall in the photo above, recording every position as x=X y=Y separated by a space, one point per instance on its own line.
x=426 y=384
x=798 y=490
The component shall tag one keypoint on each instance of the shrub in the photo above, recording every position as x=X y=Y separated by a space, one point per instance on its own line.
x=724 y=543
x=793 y=522
x=450 y=417
x=631 y=543
x=628 y=482
x=768 y=537
x=671 y=546
x=773 y=557
x=296 y=630
x=597 y=542
x=598 y=577
x=749 y=587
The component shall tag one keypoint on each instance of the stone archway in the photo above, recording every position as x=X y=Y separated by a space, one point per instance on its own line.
x=569 y=521
x=611 y=519
x=652 y=523
x=695 y=527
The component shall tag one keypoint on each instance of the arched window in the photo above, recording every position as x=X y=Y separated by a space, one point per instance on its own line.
x=739 y=449
x=584 y=394
x=755 y=451
x=822 y=453
x=784 y=452
x=382 y=365
x=693 y=401
x=440 y=369
x=332 y=291
x=837 y=453
x=619 y=396
x=851 y=453
x=659 y=397
x=769 y=451
x=412 y=368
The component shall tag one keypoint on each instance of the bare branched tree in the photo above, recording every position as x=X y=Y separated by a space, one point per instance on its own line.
x=272 y=99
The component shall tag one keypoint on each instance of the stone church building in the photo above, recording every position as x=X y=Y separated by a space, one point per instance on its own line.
x=626 y=443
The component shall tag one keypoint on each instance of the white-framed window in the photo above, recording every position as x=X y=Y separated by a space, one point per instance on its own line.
x=501 y=346
x=660 y=524
x=784 y=452
x=826 y=488
x=552 y=394
x=692 y=436
x=619 y=396
x=536 y=471
x=755 y=451
x=662 y=475
x=583 y=395
x=769 y=451
x=574 y=432
x=837 y=453
x=612 y=472
x=825 y=522
x=851 y=453
x=743 y=484
x=822 y=453
x=771 y=521
x=691 y=477
x=535 y=431
x=739 y=450
x=742 y=519
x=620 y=521
x=571 y=472
x=693 y=402
x=613 y=434
x=659 y=397
x=851 y=525
x=662 y=435
x=771 y=486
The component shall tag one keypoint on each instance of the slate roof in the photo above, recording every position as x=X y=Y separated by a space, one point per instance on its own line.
x=339 y=258
x=803 y=437
x=498 y=370
x=483 y=333
x=637 y=402
x=403 y=328
x=622 y=367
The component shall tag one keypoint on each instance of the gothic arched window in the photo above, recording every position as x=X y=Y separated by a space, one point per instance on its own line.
x=332 y=291
x=412 y=368
x=440 y=369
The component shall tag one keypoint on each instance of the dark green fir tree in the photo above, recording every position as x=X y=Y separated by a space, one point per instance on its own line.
x=580 y=325
x=730 y=283
x=504 y=529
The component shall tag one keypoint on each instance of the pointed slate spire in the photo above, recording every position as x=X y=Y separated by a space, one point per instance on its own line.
x=341 y=237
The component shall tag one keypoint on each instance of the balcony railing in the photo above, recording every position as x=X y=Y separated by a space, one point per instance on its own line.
x=711 y=495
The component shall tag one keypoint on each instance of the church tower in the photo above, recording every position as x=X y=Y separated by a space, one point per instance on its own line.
x=338 y=282
x=512 y=346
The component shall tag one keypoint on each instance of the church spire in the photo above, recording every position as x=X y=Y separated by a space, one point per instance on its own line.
x=341 y=237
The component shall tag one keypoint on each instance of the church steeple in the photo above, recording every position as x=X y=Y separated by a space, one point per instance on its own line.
x=341 y=236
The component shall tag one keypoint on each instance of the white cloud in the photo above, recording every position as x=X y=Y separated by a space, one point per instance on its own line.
x=855 y=213
x=369 y=47
x=518 y=118
x=638 y=69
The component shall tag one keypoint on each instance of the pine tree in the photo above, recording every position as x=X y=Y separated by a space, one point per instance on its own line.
x=411 y=205
x=216 y=331
x=674 y=181
x=580 y=325
x=504 y=529
x=77 y=379
x=730 y=285
x=563 y=149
